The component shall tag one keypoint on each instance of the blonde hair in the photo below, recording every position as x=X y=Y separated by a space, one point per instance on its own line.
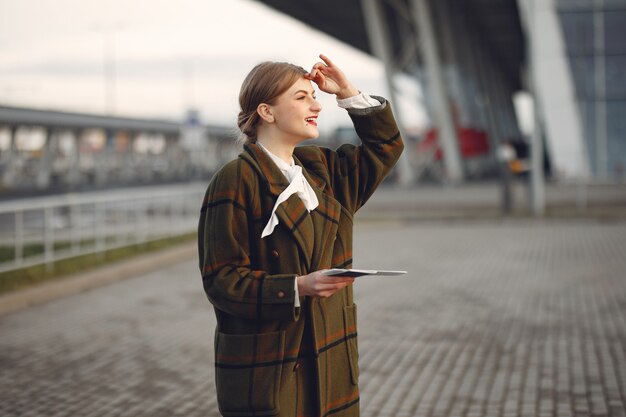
x=264 y=84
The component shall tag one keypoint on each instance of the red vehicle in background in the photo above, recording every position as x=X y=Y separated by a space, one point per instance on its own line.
x=474 y=149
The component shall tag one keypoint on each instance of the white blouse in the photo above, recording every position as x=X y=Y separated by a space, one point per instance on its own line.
x=297 y=185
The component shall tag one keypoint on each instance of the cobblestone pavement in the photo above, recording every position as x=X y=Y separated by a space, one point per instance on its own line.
x=513 y=319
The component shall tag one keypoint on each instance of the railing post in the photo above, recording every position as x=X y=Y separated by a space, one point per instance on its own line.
x=126 y=234
x=174 y=218
x=99 y=228
x=75 y=228
x=138 y=216
x=19 y=237
x=48 y=237
x=181 y=214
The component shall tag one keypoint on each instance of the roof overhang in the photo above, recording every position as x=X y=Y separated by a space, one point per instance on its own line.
x=496 y=22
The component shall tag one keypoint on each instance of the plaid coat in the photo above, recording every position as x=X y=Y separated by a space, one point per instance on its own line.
x=250 y=281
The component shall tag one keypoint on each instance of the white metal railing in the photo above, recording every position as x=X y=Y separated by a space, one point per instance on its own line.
x=44 y=230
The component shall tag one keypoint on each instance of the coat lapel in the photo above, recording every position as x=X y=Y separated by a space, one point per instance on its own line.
x=292 y=213
x=295 y=217
x=325 y=218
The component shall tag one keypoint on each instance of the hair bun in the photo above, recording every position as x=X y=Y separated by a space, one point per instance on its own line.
x=247 y=125
x=241 y=120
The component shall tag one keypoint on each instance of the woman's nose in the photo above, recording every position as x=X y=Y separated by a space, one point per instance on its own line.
x=316 y=106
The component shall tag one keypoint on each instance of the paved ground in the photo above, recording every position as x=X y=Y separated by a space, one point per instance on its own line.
x=484 y=201
x=517 y=318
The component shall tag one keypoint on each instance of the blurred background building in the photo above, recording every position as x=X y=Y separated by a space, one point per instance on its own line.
x=594 y=34
x=476 y=59
x=115 y=115
x=502 y=83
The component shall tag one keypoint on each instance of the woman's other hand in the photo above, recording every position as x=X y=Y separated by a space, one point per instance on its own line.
x=316 y=284
x=330 y=79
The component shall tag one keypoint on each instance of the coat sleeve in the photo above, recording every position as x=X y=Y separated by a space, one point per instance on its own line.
x=356 y=171
x=224 y=252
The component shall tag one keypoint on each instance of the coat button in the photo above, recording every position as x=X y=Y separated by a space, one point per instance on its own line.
x=275 y=254
x=281 y=294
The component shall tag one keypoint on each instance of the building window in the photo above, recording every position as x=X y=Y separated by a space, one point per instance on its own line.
x=615 y=32
x=578 y=32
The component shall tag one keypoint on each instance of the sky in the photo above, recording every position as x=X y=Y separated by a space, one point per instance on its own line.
x=166 y=57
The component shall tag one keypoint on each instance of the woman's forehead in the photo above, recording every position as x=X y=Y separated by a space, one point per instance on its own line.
x=301 y=84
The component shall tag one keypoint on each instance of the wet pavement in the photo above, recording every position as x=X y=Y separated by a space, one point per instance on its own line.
x=495 y=318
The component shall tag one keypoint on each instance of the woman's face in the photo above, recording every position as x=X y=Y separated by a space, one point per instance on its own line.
x=295 y=112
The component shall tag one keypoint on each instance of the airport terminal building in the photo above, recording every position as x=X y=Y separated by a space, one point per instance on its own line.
x=472 y=57
x=595 y=42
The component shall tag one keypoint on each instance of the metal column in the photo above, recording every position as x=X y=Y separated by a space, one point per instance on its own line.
x=74 y=177
x=423 y=19
x=537 y=180
x=44 y=169
x=381 y=46
x=602 y=153
x=8 y=178
x=452 y=62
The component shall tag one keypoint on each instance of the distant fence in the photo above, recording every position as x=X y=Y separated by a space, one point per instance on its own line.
x=45 y=230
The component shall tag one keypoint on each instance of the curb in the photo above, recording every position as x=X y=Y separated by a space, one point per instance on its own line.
x=84 y=281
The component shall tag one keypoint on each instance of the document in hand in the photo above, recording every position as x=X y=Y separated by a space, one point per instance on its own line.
x=360 y=272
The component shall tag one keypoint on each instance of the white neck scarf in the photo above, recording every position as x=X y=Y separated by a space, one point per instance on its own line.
x=297 y=185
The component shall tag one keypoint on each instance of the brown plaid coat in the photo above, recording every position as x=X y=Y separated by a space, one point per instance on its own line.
x=250 y=281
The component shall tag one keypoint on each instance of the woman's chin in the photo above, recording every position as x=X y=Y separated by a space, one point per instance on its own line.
x=314 y=135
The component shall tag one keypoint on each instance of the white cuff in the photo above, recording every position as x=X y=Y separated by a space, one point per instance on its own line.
x=360 y=101
x=296 y=299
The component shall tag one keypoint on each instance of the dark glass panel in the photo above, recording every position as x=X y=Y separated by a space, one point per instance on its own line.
x=615 y=32
x=587 y=112
x=615 y=77
x=616 y=135
x=583 y=72
x=578 y=32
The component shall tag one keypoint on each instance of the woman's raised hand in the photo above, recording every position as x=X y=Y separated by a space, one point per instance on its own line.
x=330 y=79
x=317 y=284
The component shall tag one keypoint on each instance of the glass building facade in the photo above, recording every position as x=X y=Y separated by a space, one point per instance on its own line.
x=595 y=37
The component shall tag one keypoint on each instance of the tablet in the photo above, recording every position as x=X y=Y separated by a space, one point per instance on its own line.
x=360 y=272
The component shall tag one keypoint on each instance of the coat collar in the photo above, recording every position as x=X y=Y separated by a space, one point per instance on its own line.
x=271 y=174
x=292 y=213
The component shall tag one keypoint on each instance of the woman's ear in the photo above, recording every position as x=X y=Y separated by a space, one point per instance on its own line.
x=265 y=112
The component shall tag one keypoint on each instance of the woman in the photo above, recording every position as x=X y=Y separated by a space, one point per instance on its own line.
x=272 y=221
